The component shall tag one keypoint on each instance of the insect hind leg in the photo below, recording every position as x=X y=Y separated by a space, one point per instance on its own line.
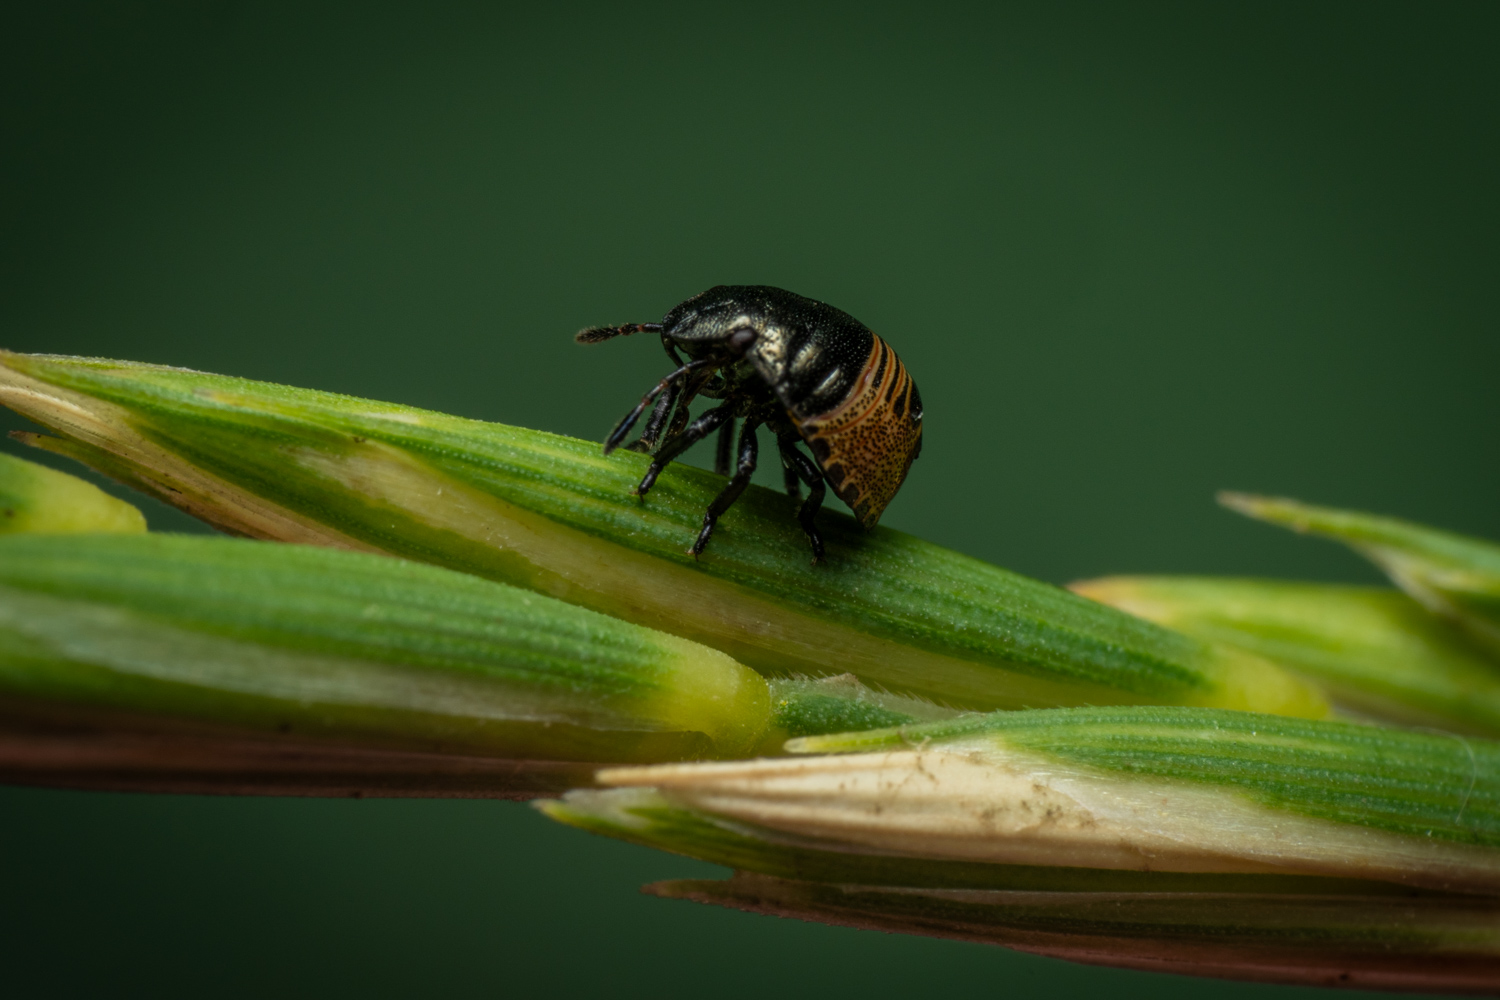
x=790 y=479
x=809 y=473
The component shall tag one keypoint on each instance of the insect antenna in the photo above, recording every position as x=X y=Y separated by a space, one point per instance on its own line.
x=595 y=334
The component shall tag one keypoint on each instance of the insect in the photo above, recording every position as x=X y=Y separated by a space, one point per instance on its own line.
x=809 y=372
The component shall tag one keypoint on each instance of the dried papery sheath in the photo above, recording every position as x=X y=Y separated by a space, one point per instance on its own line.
x=355 y=649
x=1269 y=927
x=1451 y=575
x=38 y=500
x=553 y=515
x=647 y=817
x=1377 y=652
x=1145 y=789
x=1425 y=943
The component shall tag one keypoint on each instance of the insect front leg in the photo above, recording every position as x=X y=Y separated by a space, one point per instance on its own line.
x=744 y=469
x=810 y=474
x=623 y=427
x=672 y=352
x=654 y=423
x=690 y=389
x=682 y=394
x=699 y=429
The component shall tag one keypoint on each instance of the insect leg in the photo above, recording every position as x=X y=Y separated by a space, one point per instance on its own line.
x=672 y=352
x=786 y=436
x=813 y=477
x=646 y=443
x=726 y=448
x=680 y=418
x=743 y=471
x=690 y=389
x=699 y=429
x=792 y=480
x=623 y=427
x=681 y=394
x=659 y=413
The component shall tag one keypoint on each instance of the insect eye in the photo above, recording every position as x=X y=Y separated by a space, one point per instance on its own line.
x=742 y=338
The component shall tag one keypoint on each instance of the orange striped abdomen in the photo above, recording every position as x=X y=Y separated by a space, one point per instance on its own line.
x=866 y=444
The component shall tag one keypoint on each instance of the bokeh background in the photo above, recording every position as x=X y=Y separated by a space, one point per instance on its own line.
x=1133 y=253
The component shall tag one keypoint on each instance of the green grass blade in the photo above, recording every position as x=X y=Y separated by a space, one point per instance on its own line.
x=38 y=500
x=804 y=707
x=1451 y=575
x=553 y=515
x=344 y=646
x=1377 y=652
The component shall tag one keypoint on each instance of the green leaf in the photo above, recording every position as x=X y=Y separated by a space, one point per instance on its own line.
x=357 y=649
x=806 y=707
x=38 y=500
x=552 y=514
x=1377 y=652
x=1451 y=575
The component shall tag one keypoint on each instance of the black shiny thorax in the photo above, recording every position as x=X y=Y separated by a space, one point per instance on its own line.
x=808 y=353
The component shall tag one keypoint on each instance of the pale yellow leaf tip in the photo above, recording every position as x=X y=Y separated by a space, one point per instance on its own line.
x=37 y=500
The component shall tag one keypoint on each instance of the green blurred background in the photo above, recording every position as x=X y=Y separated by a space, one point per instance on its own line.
x=1132 y=253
